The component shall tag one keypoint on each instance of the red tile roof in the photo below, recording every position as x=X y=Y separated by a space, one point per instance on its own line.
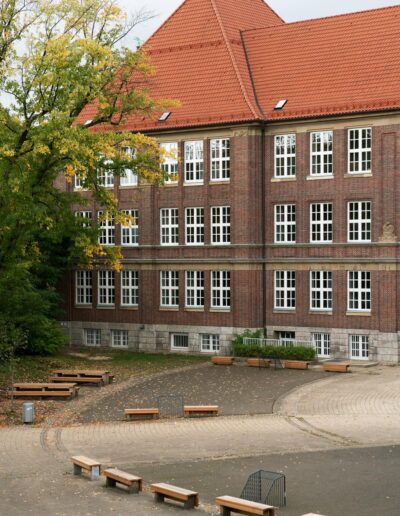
x=204 y=53
x=342 y=64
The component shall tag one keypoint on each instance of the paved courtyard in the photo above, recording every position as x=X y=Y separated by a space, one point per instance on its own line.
x=336 y=439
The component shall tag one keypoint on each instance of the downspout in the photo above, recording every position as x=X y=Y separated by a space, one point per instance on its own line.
x=264 y=236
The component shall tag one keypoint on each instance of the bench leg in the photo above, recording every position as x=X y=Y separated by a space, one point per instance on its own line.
x=159 y=498
x=189 y=504
x=110 y=482
x=134 y=488
x=95 y=473
x=77 y=470
x=224 y=511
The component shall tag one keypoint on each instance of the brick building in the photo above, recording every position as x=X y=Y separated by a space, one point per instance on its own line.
x=282 y=208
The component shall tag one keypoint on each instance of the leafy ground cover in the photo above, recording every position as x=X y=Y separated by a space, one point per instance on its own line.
x=123 y=364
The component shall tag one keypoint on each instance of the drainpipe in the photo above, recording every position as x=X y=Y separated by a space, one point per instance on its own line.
x=264 y=235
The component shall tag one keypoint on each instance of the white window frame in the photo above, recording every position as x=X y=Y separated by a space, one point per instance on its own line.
x=359 y=347
x=359 y=221
x=220 y=225
x=170 y=164
x=169 y=289
x=107 y=230
x=321 y=158
x=194 y=162
x=106 y=288
x=83 y=288
x=322 y=344
x=129 y=177
x=78 y=183
x=184 y=336
x=194 y=226
x=285 y=224
x=129 y=288
x=209 y=343
x=285 y=156
x=221 y=290
x=120 y=339
x=105 y=178
x=169 y=226
x=220 y=159
x=92 y=337
x=130 y=233
x=321 y=291
x=194 y=281
x=361 y=154
x=86 y=218
x=359 y=291
x=321 y=223
x=285 y=290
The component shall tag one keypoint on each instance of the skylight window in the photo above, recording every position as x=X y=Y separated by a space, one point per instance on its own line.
x=280 y=105
x=164 y=116
x=88 y=122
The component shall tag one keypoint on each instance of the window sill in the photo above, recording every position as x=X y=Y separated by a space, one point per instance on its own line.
x=358 y=174
x=127 y=187
x=169 y=309
x=220 y=244
x=220 y=182
x=326 y=242
x=198 y=183
x=105 y=307
x=194 y=309
x=359 y=314
x=129 y=246
x=320 y=312
x=284 y=243
x=169 y=185
x=132 y=308
x=316 y=178
x=84 y=306
x=284 y=311
x=283 y=179
x=195 y=245
x=220 y=310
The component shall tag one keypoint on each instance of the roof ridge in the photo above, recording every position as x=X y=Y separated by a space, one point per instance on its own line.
x=310 y=20
x=234 y=63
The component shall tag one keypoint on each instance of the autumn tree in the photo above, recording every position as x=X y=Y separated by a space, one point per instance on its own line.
x=56 y=58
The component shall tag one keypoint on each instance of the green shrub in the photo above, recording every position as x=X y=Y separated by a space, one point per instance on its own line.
x=254 y=350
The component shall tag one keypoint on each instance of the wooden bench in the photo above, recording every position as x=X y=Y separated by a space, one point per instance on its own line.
x=200 y=410
x=149 y=413
x=190 y=499
x=222 y=360
x=116 y=476
x=76 y=379
x=296 y=364
x=45 y=390
x=81 y=462
x=88 y=374
x=336 y=367
x=258 y=362
x=229 y=504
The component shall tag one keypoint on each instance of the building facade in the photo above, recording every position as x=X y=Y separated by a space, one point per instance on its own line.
x=281 y=209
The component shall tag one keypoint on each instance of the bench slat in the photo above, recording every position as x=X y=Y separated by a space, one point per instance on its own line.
x=336 y=367
x=174 y=492
x=80 y=371
x=122 y=477
x=222 y=360
x=44 y=394
x=129 y=412
x=55 y=386
x=245 y=505
x=84 y=462
x=78 y=379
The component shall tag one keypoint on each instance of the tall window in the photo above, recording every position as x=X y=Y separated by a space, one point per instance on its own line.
x=220 y=160
x=107 y=230
x=321 y=290
x=170 y=162
x=322 y=153
x=221 y=225
x=359 y=347
x=322 y=344
x=321 y=223
x=130 y=232
x=129 y=176
x=359 y=221
x=85 y=218
x=210 y=343
x=194 y=289
x=106 y=288
x=285 y=224
x=169 y=226
x=194 y=226
x=170 y=289
x=79 y=183
x=359 y=291
x=194 y=164
x=84 y=287
x=129 y=288
x=360 y=150
x=285 y=156
x=105 y=178
x=285 y=290
x=92 y=337
x=119 y=338
x=221 y=289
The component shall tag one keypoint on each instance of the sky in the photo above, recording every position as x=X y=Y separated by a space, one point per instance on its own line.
x=289 y=10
